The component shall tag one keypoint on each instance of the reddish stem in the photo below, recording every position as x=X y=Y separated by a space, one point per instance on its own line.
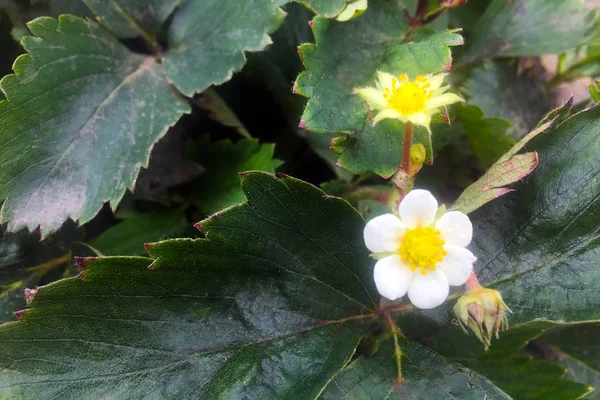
x=408 y=138
x=472 y=282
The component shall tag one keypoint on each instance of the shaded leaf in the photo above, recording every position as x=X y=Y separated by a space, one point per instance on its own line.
x=519 y=376
x=129 y=236
x=500 y=91
x=426 y=375
x=278 y=67
x=81 y=117
x=131 y=18
x=347 y=55
x=219 y=186
x=220 y=111
x=529 y=27
x=487 y=136
x=207 y=39
x=236 y=315
x=577 y=349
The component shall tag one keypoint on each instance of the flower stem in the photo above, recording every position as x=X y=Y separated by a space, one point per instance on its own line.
x=408 y=139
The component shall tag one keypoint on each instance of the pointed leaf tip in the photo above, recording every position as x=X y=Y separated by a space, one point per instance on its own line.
x=20 y=314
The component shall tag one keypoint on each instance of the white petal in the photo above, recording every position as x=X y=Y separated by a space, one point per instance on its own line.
x=455 y=228
x=457 y=264
x=392 y=277
x=435 y=81
x=385 y=80
x=418 y=208
x=373 y=96
x=422 y=118
x=429 y=290
x=384 y=233
x=387 y=114
x=443 y=100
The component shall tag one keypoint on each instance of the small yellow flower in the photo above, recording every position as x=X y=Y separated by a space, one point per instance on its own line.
x=409 y=101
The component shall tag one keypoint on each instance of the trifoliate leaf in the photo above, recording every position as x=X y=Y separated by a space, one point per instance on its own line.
x=131 y=18
x=207 y=39
x=81 y=116
x=219 y=186
x=529 y=28
x=347 y=55
x=271 y=305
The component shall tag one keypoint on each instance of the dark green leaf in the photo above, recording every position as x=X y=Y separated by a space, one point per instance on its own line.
x=346 y=56
x=529 y=27
x=81 y=117
x=219 y=186
x=268 y=306
x=539 y=246
x=128 y=237
x=207 y=39
x=131 y=18
x=426 y=376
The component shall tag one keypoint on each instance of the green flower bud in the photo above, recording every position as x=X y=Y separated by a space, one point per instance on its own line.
x=482 y=311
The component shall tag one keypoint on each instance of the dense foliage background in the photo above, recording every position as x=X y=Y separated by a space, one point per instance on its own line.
x=124 y=123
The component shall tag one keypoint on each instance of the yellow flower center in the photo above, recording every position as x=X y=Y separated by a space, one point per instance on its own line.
x=422 y=248
x=408 y=97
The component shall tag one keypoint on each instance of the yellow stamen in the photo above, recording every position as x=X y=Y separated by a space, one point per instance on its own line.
x=422 y=248
x=408 y=98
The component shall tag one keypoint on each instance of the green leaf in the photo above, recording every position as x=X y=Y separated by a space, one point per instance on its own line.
x=132 y=18
x=487 y=136
x=128 y=237
x=207 y=39
x=529 y=28
x=219 y=186
x=578 y=349
x=539 y=245
x=347 y=55
x=426 y=376
x=271 y=305
x=500 y=90
x=81 y=116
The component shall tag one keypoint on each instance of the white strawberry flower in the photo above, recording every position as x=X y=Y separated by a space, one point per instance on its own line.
x=421 y=256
